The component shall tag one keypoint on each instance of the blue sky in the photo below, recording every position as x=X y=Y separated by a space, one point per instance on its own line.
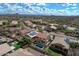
x=61 y=9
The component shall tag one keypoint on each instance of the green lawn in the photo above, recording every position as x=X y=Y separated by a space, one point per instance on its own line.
x=16 y=45
x=51 y=52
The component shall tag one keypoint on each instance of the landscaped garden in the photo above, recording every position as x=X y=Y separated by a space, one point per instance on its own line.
x=22 y=42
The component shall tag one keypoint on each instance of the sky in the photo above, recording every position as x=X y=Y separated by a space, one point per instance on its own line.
x=58 y=9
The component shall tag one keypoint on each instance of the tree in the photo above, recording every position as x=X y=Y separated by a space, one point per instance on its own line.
x=24 y=41
x=74 y=45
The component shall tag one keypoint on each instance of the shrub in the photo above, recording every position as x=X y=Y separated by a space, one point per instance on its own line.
x=74 y=45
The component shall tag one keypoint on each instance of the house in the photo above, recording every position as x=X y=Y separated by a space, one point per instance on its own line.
x=23 y=32
x=2 y=40
x=38 y=35
x=4 y=49
x=14 y=33
x=69 y=28
x=34 y=26
x=51 y=27
x=39 y=21
x=5 y=39
x=70 y=39
x=60 y=40
x=1 y=22
x=28 y=23
x=60 y=44
x=21 y=52
x=14 y=23
x=13 y=36
x=53 y=24
x=13 y=29
x=65 y=26
x=41 y=36
x=40 y=39
x=9 y=40
x=32 y=34
x=76 y=33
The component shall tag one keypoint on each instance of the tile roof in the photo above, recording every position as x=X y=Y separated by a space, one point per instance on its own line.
x=21 y=52
x=60 y=40
x=42 y=35
x=24 y=31
x=4 y=48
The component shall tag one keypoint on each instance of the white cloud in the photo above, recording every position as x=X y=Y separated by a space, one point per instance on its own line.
x=41 y=10
x=68 y=4
x=68 y=12
x=76 y=12
x=47 y=11
x=74 y=4
x=41 y=4
x=67 y=8
x=0 y=6
x=71 y=4
x=63 y=4
x=73 y=7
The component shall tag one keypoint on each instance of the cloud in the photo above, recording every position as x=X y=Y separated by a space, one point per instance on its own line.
x=63 y=4
x=73 y=7
x=68 y=12
x=74 y=4
x=71 y=4
x=67 y=8
x=1 y=7
x=39 y=9
x=43 y=4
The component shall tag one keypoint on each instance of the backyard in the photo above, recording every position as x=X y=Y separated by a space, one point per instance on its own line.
x=24 y=41
x=52 y=52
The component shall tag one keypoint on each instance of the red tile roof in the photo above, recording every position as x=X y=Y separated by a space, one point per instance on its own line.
x=4 y=48
x=24 y=31
x=42 y=35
